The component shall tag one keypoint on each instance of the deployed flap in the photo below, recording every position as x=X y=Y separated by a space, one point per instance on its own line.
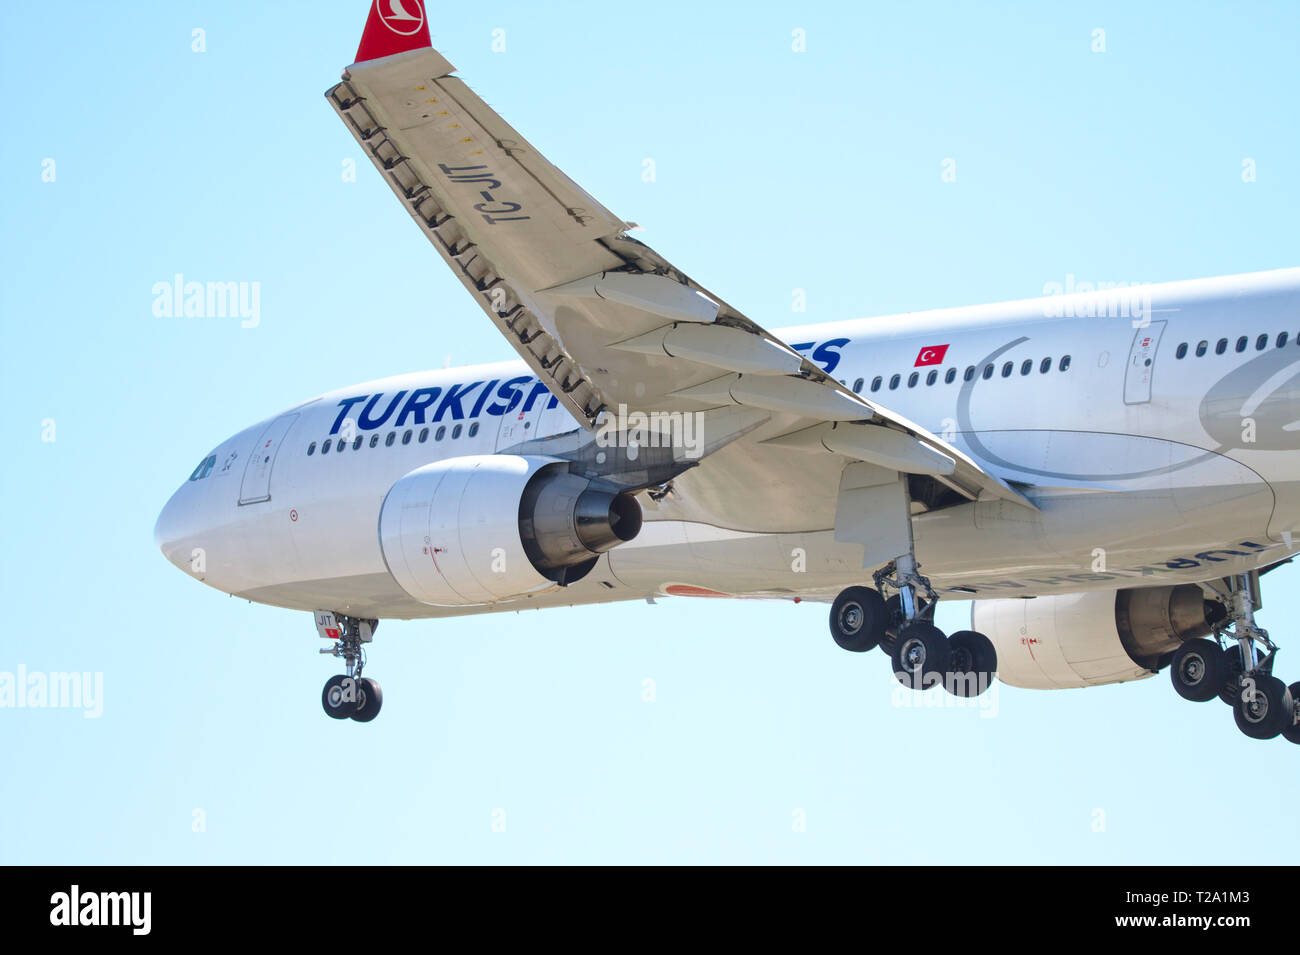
x=872 y=510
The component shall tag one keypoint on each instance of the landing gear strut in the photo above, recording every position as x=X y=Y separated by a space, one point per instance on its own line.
x=349 y=695
x=903 y=626
x=1241 y=672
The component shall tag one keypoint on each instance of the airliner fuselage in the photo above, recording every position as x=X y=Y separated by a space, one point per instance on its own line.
x=1156 y=428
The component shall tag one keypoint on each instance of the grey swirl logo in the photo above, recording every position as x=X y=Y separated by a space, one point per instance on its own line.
x=1256 y=406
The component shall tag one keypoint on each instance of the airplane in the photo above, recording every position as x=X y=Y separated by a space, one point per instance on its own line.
x=1106 y=475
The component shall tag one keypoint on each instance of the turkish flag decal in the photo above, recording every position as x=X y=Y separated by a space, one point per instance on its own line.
x=931 y=355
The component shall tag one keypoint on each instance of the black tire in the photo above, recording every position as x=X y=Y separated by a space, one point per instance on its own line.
x=1199 y=670
x=972 y=664
x=371 y=698
x=894 y=620
x=1291 y=731
x=339 y=698
x=921 y=656
x=1263 y=713
x=1232 y=665
x=858 y=619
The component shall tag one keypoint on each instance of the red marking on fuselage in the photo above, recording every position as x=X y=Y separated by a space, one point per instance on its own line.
x=686 y=590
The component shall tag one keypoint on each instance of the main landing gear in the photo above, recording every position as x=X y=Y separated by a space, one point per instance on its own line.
x=903 y=626
x=349 y=695
x=1240 y=672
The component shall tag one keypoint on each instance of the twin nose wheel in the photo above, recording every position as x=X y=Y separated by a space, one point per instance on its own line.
x=356 y=698
x=964 y=664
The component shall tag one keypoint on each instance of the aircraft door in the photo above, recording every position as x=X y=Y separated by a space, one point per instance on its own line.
x=1141 y=363
x=518 y=425
x=256 y=486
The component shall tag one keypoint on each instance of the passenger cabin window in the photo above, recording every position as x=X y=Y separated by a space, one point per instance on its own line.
x=1261 y=343
x=988 y=372
x=857 y=387
x=1006 y=368
x=1065 y=363
x=1201 y=347
x=325 y=448
x=1046 y=364
x=1241 y=343
x=455 y=432
x=1219 y=349
x=1026 y=366
x=876 y=382
x=950 y=376
x=931 y=378
x=440 y=433
x=473 y=429
x=356 y=445
x=970 y=373
x=1281 y=339
x=374 y=440
x=311 y=449
x=1182 y=351
x=893 y=382
x=424 y=435
x=388 y=441
x=912 y=379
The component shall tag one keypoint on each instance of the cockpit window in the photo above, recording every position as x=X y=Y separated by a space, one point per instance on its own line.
x=205 y=468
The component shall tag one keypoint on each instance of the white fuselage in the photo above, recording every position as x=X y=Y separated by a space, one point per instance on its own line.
x=1148 y=462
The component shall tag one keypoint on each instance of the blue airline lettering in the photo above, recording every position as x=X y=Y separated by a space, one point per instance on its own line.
x=487 y=393
x=420 y=399
x=826 y=354
x=451 y=400
x=368 y=423
x=510 y=393
x=538 y=389
x=344 y=407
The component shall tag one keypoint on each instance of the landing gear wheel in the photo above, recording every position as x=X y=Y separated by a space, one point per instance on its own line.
x=921 y=656
x=1263 y=706
x=1291 y=729
x=1199 y=670
x=973 y=661
x=858 y=618
x=1232 y=670
x=894 y=621
x=339 y=698
x=369 y=699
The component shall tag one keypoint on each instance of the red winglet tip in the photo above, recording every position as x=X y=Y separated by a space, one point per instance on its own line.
x=394 y=26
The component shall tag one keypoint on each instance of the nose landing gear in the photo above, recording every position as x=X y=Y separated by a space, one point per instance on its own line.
x=349 y=695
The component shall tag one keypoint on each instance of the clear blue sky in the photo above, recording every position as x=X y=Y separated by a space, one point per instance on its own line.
x=776 y=170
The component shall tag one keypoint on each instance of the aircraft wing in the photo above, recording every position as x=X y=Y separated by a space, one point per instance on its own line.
x=602 y=318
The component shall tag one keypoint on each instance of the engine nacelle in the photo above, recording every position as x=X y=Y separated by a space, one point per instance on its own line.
x=1107 y=636
x=484 y=528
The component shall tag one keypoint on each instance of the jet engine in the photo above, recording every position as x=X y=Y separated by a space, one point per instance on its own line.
x=484 y=528
x=1088 y=639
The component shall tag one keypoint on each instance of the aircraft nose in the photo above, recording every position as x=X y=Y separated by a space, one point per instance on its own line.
x=171 y=530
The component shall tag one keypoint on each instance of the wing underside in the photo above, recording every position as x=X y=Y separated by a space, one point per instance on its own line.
x=600 y=317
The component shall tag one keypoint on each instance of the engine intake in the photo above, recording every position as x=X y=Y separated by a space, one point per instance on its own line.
x=1089 y=639
x=484 y=528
